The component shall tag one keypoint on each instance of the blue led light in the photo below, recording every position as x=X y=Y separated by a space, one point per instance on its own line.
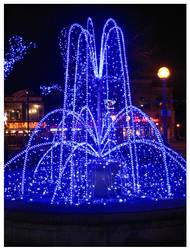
x=86 y=152
x=16 y=51
x=47 y=90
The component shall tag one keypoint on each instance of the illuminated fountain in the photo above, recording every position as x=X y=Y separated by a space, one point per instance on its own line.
x=88 y=153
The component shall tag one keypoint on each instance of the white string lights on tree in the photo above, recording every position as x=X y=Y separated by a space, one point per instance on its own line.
x=86 y=152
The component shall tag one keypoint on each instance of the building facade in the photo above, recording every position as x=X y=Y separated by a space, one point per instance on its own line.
x=22 y=112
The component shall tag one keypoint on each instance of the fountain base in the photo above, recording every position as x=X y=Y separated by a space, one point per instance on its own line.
x=143 y=223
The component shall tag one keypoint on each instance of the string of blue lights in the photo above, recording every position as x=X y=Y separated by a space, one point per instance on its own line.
x=15 y=52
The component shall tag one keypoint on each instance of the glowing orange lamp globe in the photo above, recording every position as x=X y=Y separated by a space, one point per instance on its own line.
x=163 y=73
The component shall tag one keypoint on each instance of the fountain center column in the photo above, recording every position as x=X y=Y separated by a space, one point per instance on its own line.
x=99 y=114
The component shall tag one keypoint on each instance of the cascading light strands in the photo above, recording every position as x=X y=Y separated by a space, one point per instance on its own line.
x=15 y=52
x=86 y=152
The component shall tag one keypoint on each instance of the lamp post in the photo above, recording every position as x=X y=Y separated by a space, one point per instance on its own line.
x=163 y=74
x=27 y=108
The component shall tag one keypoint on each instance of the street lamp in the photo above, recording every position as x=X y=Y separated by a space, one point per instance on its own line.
x=27 y=108
x=163 y=74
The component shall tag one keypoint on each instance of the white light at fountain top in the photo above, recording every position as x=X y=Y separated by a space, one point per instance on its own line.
x=104 y=35
x=98 y=70
x=108 y=28
x=90 y=34
x=90 y=29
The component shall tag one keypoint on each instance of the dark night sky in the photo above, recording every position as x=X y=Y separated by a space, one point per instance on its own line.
x=157 y=27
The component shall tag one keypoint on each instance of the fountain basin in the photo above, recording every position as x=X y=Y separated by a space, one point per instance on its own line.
x=147 y=223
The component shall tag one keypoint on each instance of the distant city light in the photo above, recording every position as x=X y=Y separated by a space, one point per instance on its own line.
x=178 y=125
x=5 y=118
x=32 y=111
